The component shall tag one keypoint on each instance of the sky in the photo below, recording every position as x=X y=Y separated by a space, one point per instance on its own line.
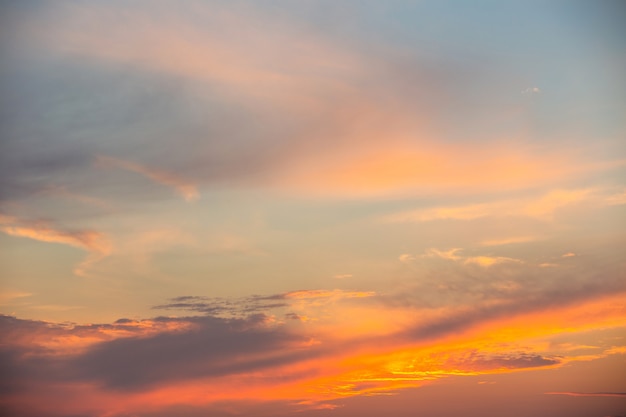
x=312 y=208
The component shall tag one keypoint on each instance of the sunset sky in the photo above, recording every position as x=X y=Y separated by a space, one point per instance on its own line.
x=312 y=208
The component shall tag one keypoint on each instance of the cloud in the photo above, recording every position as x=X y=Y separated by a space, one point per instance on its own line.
x=217 y=306
x=83 y=367
x=62 y=191
x=453 y=255
x=332 y=294
x=257 y=304
x=196 y=360
x=343 y=276
x=406 y=258
x=56 y=307
x=588 y=394
x=542 y=208
x=309 y=90
x=96 y=243
x=186 y=189
x=479 y=361
x=510 y=240
x=215 y=347
x=403 y=168
x=518 y=303
x=616 y=199
x=531 y=91
x=7 y=296
x=42 y=231
x=223 y=47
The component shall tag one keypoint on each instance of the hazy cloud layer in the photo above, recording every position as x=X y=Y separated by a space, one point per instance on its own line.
x=351 y=208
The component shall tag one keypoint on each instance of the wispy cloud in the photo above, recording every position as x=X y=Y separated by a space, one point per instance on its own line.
x=333 y=294
x=257 y=304
x=56 y=307
x=510 y=240
x=63 y=191
x=42 y=231
x=588 y=394
x=455 y=255
x=543 y=208
x=183 y=187
x=343 y=276
x=313 y=79
x=7 y=296
x=96 y=243
x=616 y=199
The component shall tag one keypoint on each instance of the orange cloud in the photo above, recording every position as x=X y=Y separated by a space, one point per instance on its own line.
x=299 y=374
x=96 y=243
x=453 y=255
x=401 y=165
x=543 y=207
x=510 y=240
x=7 y=296
x=84 y=239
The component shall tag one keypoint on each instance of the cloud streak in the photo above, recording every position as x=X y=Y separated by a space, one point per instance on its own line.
x=242 y=307
x=454 y=255
x=96 y=243
x=186 y=189
x=542 y=208
x=589 y=394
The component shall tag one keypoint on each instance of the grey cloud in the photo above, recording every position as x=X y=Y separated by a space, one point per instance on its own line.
x=214 y=347
x=219 y=306
x=204 y=347
x=477 y=360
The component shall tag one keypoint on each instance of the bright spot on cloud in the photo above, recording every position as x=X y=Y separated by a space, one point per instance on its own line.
x=455 y=255
x=509 y=241
x=406 y=258
x=531 y=90
x=343 y=276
